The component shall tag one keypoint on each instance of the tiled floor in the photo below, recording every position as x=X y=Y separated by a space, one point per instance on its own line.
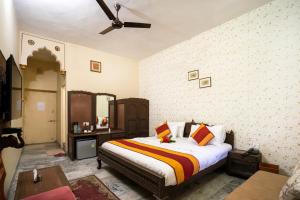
x=214 y=186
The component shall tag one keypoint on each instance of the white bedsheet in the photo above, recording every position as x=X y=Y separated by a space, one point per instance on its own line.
x=207 y=155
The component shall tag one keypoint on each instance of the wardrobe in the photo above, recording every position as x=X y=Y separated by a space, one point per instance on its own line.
x=133 y=116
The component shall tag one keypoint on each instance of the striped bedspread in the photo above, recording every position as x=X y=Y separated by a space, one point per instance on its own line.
x=184 y=165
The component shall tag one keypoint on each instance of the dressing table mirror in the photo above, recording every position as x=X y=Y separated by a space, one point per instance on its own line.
x=105 y=111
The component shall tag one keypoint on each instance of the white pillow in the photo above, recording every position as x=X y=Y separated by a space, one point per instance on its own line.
x=177 y=128
x=219 y=133
x=194 y=128
x=217 y=130
x=174 y=128
x=296 y=168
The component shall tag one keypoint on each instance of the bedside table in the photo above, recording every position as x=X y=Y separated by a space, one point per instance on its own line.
x=242 y=166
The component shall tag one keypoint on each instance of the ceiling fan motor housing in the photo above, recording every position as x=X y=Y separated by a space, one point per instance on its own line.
x=117 y=24
x=117 y=7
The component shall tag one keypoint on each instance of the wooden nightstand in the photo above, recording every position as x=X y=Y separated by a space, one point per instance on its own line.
x=242 y=166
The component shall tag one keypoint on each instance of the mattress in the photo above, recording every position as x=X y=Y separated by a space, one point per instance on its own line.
x=206 y=155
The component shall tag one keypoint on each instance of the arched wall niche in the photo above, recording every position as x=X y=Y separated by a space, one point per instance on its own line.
x=31 y=44
x=44 y=54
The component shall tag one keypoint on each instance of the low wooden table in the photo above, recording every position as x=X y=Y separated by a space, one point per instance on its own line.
x=52 y=177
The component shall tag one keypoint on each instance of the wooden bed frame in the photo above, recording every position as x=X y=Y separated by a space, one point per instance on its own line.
x=150 y=180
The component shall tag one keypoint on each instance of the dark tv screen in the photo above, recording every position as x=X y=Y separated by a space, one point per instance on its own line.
x=12 y=91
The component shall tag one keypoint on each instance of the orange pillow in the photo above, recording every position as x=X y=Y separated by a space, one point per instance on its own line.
x=163 y=130
x=202 y=135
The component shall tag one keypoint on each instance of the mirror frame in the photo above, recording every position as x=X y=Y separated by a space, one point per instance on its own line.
x=95 y=108
x=69 y=106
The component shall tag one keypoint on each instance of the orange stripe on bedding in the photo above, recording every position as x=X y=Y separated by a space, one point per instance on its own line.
x=184 y=165
x=190 y=157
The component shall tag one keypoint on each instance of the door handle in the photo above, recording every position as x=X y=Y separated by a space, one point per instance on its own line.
x=52 y=120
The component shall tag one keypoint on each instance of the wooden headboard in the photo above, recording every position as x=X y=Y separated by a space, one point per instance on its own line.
x=229 y=134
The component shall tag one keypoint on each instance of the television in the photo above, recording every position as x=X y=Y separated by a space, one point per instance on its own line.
x=12 y=91
x=2 y=77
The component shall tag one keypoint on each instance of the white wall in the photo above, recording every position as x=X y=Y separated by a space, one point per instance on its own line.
x=9 y=41
x=254 y=64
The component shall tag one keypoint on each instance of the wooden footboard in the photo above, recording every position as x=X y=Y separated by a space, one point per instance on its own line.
x=149 y=180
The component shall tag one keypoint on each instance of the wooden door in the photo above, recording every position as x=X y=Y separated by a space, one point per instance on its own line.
x=121 y=116
x=39 y=117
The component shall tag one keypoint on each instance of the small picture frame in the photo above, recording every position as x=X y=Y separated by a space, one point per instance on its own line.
x=193 y=75
x=205 y=82
x=95 y=66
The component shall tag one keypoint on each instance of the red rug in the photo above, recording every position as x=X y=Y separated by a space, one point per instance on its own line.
x=91 y=188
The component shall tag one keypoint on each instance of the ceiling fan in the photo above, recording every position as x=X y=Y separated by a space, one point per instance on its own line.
x=116 y=23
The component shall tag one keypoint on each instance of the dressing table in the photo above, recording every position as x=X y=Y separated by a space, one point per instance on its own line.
x=95 y=110
x=108 y=118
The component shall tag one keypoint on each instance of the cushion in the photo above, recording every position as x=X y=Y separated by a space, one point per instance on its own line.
x=291 y=189
x=177 y=128
x=202 y=135
x=61 y=193
x=219 y=133
x=261 y=186
x=297 y=168
x=163 y=130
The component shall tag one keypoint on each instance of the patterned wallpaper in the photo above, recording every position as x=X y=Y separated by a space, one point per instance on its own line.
x=254 y=63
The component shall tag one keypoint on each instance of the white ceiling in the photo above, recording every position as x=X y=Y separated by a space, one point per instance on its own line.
x=173 y=21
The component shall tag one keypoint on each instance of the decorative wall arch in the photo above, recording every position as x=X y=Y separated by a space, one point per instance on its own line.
x=31 y=43
x=53 y=57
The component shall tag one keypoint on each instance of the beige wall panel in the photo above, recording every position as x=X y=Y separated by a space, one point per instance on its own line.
x=119 y=75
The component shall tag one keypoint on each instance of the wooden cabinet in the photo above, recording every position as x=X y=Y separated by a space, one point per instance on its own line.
x=100 y=136
x=133 y=116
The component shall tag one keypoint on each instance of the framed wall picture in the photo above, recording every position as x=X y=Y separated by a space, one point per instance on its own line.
x=193 y=75
x=205 y=82
x=95 y=66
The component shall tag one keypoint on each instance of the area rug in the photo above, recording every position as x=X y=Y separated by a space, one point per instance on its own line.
x=91 y=188
x=226 y=189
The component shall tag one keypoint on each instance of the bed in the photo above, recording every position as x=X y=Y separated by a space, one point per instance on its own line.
x=156 y=176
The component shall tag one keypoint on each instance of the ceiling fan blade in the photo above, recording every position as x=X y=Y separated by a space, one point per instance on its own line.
x=136 y=25
x=107 y=30
x=107 y=11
